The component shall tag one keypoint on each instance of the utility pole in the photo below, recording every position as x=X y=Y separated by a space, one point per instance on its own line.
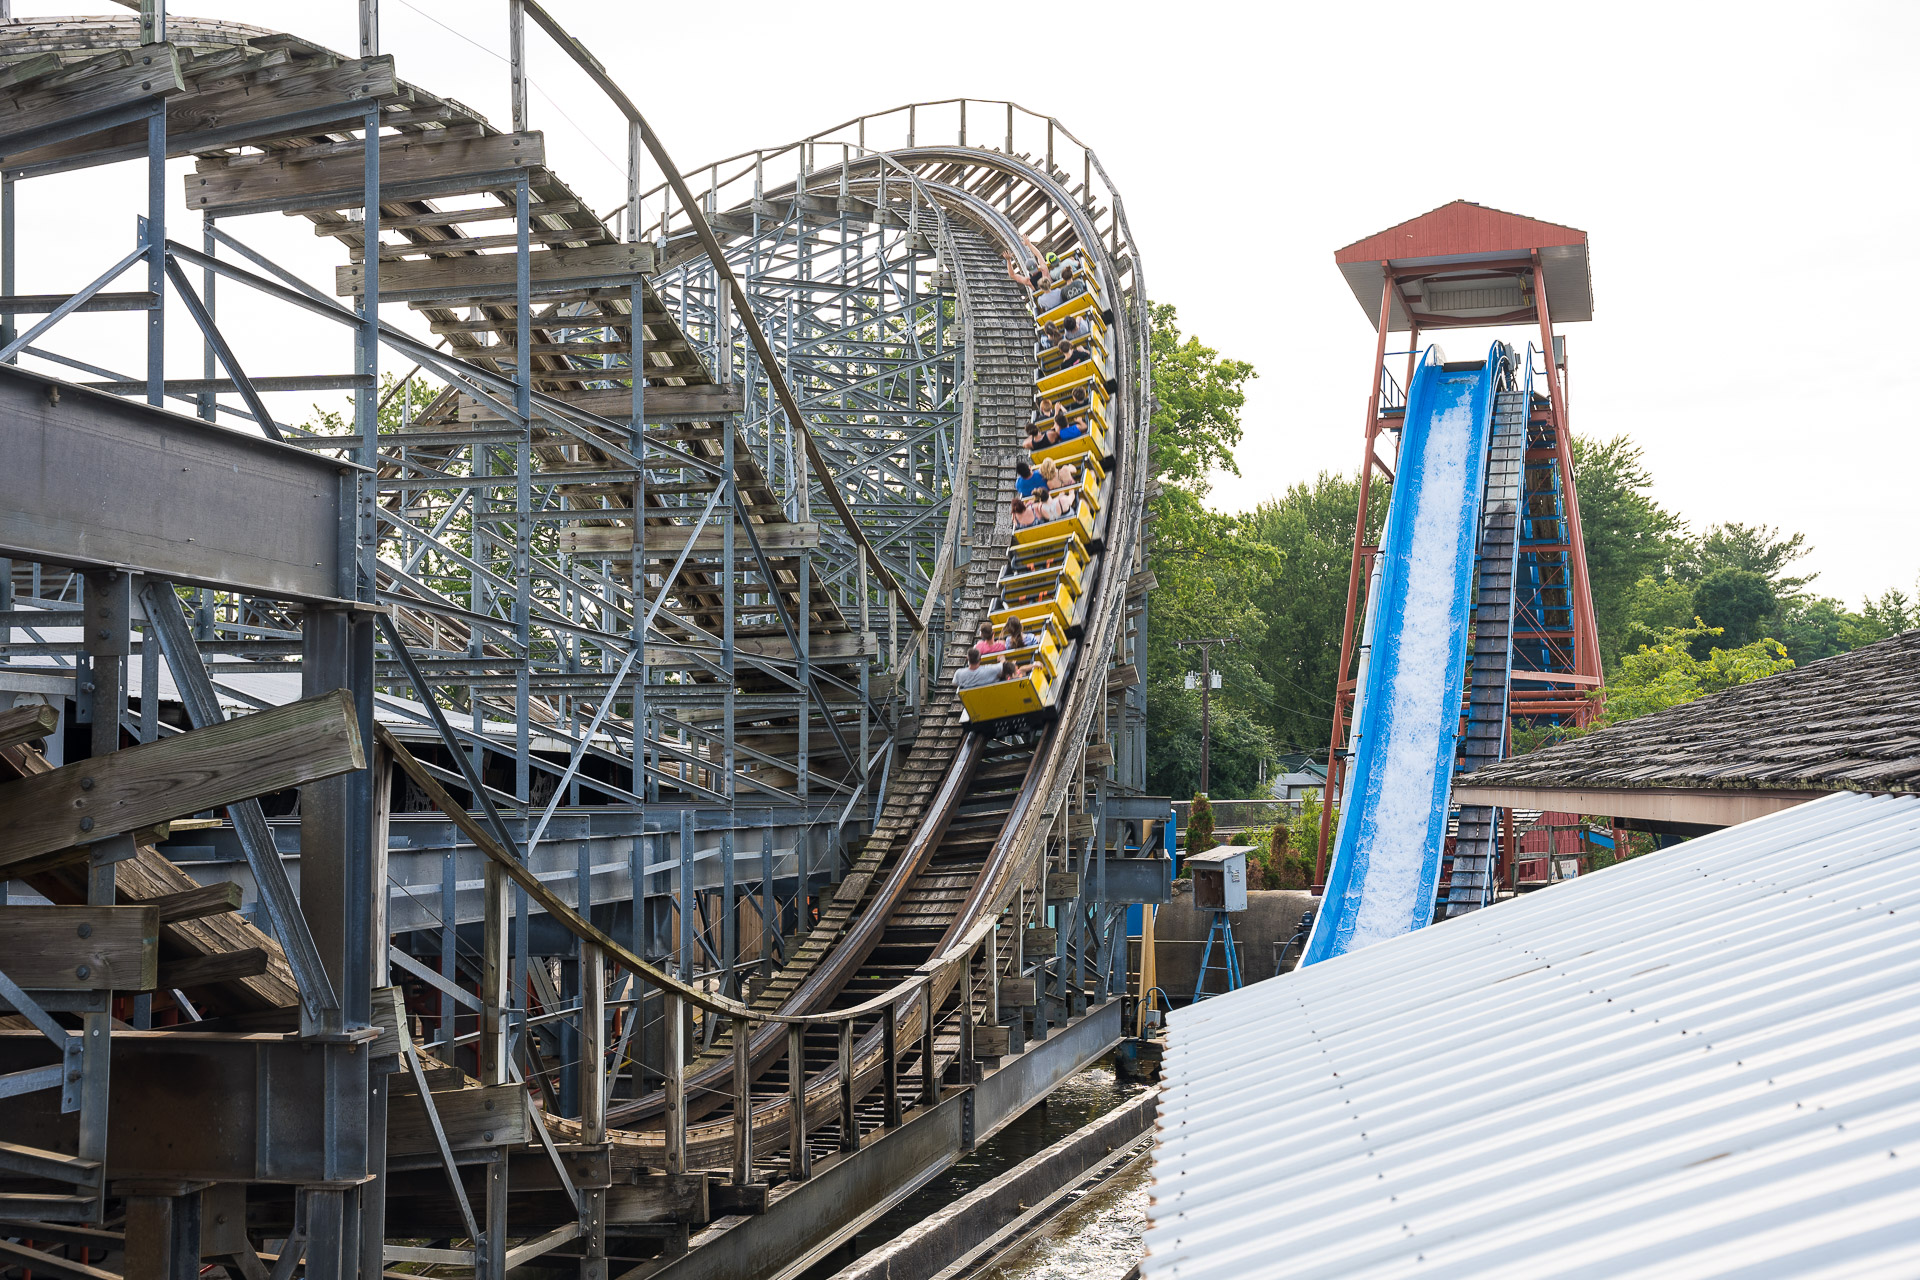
x=1206 y=702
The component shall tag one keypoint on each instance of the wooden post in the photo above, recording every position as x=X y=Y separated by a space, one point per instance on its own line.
x=593 y=1043
x=106 y=637
x=742 y=1102
x=849 y=1123
x=593 y=1103
x=929 y=1073
x=675 y=1084
x=799 y=1166
x=966 y=1017
x=993 y=967
x=493 y=977
x=495 y=1067
x=890 y=1048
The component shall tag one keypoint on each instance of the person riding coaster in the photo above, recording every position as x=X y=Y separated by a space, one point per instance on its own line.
x=1069 y=353
x=1060 y=429
x=1047 y=272
x=1063 y=343
x=1058 y=476
x=1034 y=278
x=978 y=674
x=1028 y=512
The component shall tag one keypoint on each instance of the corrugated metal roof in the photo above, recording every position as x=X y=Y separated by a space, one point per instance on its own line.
x=1703 y=1062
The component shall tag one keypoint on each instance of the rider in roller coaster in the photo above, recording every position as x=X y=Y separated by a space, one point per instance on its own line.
x=1055 y=424
x=1050 y=491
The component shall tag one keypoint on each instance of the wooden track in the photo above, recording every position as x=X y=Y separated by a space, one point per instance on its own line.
x=999 y=328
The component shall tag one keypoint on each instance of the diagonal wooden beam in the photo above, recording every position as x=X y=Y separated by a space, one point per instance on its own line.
x=203 y=769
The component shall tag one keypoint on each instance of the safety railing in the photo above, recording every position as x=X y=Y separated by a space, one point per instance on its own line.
x=749 y=176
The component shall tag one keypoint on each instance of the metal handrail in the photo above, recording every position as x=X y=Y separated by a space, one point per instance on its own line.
x=752 y=165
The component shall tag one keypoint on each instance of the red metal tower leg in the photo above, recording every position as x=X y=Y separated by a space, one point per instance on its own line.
x=1586 y=655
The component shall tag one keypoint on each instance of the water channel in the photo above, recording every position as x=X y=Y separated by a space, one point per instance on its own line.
x=1097 y=1239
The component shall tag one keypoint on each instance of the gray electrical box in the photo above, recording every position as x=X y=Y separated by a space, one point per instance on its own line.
x=1220 y=877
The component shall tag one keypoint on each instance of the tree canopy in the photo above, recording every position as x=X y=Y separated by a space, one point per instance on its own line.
x=1209 y=575
x=1670 y=671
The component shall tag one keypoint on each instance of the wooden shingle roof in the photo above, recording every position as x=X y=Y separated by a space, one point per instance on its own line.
x=1846 y=723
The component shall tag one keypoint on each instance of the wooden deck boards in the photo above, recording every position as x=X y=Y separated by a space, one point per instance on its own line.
x=1846 y=723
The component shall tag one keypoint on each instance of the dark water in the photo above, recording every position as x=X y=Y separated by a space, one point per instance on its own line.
x=1078 y=1100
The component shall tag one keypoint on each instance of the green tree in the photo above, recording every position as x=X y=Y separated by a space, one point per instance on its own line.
x=1739 y=604
x=1200 y=825
x=1812 y=628
x=1667 y=673
x=1891 y=614
x=1199 y=395
x=1310 y=527
x=1240 y=743
x=391 y=407
x=1630 y=538
x=1210 y=575
x=1656 y=604
x=1303 y=833
x=1758 y=548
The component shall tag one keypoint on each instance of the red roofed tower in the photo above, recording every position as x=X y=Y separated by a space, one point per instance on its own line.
x=1462 y=266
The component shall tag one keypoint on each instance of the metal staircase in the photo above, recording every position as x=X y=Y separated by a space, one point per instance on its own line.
x=1470 y=883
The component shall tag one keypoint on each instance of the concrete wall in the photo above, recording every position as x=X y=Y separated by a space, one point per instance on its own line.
x=1272 y=917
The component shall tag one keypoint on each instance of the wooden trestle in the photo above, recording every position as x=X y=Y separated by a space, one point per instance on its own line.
x=234 y=1059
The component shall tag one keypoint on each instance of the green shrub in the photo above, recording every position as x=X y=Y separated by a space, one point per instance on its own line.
x=1200 y=825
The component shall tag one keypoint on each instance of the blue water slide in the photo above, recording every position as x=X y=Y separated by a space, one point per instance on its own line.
x=1393 y=820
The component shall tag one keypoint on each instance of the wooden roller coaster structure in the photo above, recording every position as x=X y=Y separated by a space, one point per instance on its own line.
x=667 y=543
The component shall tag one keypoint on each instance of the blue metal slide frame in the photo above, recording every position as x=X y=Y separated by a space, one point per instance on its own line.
x=1360 y=866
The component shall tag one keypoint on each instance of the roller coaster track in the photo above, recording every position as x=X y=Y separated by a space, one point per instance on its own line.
x=955 y=839
x=522 y=620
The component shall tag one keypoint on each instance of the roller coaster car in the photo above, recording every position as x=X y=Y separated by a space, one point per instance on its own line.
x=1085 y=333
x=1086 y=510
x=1087 y=326
x=1093 y=443
x=1024 y=701
x=1091 y=374
x=1042 y=598
x=1078 y=295
x=1057 y=376
x=1087 y=402
x=1060 y=548
x=1090 y=414
x=1082 y=452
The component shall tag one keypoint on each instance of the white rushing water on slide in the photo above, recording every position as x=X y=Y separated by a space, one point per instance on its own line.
x=1421 y=690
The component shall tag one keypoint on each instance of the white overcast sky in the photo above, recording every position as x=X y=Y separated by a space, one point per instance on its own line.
x=1745 y=173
